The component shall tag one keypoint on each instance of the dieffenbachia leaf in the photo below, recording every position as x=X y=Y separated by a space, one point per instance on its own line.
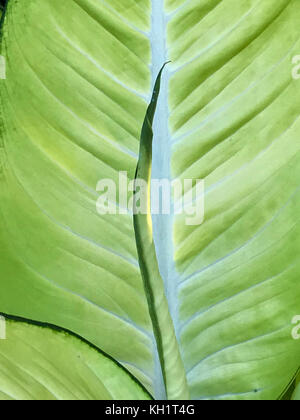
x=79 y=76
x=39 y=363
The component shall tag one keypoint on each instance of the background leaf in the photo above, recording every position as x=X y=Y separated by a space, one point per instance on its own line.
x=39 y=363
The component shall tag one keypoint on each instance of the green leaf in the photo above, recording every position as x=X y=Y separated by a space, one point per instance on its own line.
x=39 y=363
x=79 y=76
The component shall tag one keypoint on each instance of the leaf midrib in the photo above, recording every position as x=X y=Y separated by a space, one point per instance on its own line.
x=161 y=169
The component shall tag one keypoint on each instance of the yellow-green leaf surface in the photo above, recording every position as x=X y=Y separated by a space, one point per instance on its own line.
x=79 y=76
x=235 y=122
x=71 y=115
x=38 y=363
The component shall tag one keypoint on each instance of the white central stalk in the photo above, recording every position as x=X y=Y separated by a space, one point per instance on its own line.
x=162 y=224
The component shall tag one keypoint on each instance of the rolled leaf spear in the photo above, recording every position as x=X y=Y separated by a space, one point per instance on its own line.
x=173 y=371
